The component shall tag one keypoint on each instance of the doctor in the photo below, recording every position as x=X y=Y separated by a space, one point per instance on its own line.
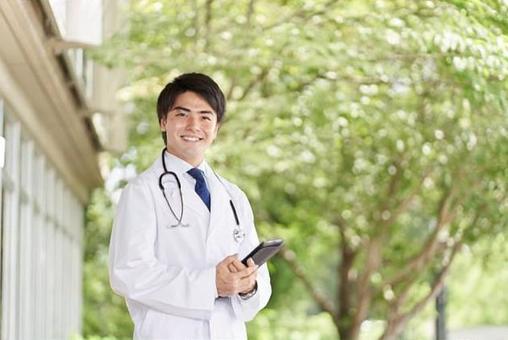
x=181 y=230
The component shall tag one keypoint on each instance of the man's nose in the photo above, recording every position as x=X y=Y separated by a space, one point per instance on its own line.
x=192 y=120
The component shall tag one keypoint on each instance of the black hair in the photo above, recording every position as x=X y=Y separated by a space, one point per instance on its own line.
x=199 y=83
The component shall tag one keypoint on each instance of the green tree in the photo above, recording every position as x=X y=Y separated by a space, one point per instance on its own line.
x=372 y=136
x=104 y=313
x=473 y=285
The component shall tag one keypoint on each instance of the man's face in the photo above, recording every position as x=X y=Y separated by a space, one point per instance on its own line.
x=191 y=126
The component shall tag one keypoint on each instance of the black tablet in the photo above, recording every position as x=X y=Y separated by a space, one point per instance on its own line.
x=264 y=251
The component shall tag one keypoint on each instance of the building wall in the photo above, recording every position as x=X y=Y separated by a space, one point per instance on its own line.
x=41 y=238
x=41 y=216
x=50 y=162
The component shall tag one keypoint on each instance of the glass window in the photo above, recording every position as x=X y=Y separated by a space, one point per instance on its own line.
x=40 y=241
x=10 y=229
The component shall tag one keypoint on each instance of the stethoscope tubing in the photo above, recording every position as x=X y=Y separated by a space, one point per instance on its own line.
x=237 y=231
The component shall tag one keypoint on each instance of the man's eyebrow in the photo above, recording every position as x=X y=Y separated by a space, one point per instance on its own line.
x=181 y=108
x=189 y=110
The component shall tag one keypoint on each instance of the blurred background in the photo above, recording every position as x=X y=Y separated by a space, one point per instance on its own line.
x=371 y=135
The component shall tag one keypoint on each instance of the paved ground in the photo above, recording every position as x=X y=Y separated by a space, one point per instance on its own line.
x=480 y=333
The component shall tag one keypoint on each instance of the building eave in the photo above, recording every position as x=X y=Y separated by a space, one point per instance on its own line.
x=53 y=111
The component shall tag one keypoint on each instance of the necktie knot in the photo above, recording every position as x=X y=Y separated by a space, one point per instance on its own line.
x=197 y=174
x=200 y=187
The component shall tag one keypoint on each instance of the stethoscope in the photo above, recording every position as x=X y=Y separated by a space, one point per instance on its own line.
x=238 y=233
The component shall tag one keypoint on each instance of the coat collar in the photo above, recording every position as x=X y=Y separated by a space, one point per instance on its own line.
x=180 y=167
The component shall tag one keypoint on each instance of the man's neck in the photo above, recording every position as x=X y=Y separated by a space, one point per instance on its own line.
x=195 y=163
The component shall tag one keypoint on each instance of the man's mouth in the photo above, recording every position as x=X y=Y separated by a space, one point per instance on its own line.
x=191 y=138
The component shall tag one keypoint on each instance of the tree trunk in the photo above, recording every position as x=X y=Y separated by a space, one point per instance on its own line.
x=393 y=328
x=344 y=318
x=349 y=333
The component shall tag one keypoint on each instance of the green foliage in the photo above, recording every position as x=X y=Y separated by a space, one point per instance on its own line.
x=280 y=324
x=476 y=285
x=105 y=313
x=348 y=123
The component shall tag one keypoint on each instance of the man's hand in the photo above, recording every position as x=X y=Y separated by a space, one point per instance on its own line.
x=238 y=266
x=233 y=277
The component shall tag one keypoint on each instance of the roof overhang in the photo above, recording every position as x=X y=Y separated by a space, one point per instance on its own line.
x=37 y=82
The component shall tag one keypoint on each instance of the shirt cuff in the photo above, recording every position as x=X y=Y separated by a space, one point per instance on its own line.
x=248 y=295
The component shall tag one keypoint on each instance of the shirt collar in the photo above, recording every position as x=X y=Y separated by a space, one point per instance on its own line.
x=178 y=165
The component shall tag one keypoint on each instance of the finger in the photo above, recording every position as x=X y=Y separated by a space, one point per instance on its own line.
x=231 y=258
x=237 y=265
x=250 y=262
x=240 y=275
x=246 y=285
x=233 y=268
x=248 y=271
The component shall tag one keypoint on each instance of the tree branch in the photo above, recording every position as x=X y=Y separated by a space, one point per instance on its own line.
x=208 y=20
x=364 y=291
x=347 y=256
x=426 y=253
x=390 y=191
x=344 y=289
x=196 y=15
x=324 y=303
x=397 y=323
x=398 y=320
x=250 y=12
x=229 y=93
x=373 y=258
x=260 y=77
x=301 y=13
x=322 y=76
x=404 y=203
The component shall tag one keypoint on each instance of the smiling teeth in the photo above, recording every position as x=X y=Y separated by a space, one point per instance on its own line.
x=190 y=139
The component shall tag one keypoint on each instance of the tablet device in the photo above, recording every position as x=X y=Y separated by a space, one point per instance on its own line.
x=264 y=251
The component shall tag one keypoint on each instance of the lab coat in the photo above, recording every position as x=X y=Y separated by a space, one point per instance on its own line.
x=167 y=274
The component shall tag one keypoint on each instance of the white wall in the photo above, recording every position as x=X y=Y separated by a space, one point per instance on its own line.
x=79 y=20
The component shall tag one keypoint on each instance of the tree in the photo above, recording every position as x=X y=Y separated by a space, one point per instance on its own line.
x=371 y=135
x=473 y=283
x=104 y=313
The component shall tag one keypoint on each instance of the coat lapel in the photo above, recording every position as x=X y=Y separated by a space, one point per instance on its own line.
x=192 y=202
x=219 y=205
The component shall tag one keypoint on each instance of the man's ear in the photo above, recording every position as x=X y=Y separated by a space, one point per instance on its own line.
x=162 y=124
x=215 y=132
x=217 y=128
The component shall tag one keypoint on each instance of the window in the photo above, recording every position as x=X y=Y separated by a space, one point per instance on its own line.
x=41 y=239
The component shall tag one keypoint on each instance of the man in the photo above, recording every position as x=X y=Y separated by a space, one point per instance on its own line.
x=181 y=230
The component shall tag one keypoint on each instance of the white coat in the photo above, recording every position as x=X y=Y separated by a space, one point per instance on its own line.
x=167 y=275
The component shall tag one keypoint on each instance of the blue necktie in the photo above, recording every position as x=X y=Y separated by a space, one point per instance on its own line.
x=200 y=186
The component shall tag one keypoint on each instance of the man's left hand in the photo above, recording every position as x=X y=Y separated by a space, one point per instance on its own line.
x=238 y=266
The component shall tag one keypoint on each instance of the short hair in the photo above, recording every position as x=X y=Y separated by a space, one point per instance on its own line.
x=199 y=83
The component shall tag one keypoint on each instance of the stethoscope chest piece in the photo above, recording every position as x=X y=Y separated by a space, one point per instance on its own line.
x=238 y=235
x=178 y=224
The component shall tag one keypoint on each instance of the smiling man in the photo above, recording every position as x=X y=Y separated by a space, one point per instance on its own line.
x=190 y=127
x=181 y=230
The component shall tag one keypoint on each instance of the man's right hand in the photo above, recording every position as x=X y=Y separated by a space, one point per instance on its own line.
x=231 y=283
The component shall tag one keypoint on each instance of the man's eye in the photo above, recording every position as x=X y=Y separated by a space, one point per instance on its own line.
x=180 y=113
x=207 y=118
